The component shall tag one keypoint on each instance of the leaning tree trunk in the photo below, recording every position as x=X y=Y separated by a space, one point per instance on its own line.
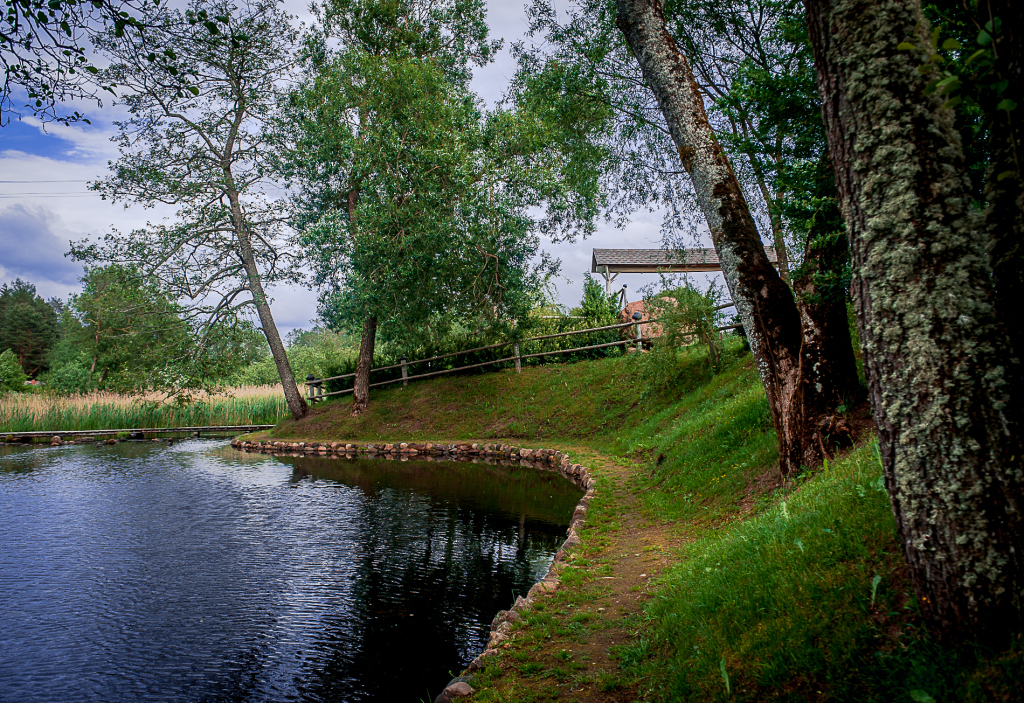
x=764 y=302
x=293 y=397
x=935 y=357
x=361 y=386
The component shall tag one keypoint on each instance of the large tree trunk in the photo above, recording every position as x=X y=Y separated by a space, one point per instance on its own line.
x=935 y=357
x=293 y=397
x=764 y=302
x=361 y=385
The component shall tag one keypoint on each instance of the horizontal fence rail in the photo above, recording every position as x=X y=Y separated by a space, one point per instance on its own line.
x=315 y=392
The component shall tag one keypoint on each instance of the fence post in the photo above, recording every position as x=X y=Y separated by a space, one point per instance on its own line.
x=515 y=351
x=405 y=372
x=312 y=386
x=636 y=318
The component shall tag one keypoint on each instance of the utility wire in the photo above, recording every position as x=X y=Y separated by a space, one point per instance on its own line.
x=44 y=181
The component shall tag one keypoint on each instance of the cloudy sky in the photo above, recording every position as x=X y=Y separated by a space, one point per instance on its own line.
x=44 y=203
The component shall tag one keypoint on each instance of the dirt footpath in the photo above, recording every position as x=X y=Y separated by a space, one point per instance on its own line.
x=572 y=643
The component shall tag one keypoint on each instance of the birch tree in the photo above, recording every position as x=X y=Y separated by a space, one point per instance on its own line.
x=790 y=345
x=207 y=151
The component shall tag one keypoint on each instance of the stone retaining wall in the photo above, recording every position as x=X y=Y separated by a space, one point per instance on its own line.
x=544 y=459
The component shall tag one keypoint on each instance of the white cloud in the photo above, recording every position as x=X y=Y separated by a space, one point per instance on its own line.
x=85 y=141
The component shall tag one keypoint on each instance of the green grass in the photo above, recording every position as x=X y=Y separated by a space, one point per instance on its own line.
x=591 y=401
x=118 y=415
x=808 y=599
x=701 y=451
x=785 y=599
x=791 y=593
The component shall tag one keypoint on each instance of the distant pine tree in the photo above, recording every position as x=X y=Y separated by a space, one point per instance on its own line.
x=28 y=325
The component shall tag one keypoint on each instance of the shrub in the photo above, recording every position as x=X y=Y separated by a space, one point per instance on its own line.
x=686 y=315
x=12 y=378
x=70 y=379
x=688 y=323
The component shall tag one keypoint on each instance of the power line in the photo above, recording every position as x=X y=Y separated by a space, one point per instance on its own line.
x=8 y=196
x=44 y=181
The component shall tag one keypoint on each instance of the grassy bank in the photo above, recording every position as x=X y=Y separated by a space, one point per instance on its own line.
x=253 y=405
x=763 y=591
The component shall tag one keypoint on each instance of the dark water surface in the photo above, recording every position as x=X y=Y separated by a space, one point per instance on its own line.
x=140 y=572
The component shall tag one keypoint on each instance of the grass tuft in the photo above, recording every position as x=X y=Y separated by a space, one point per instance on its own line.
x=253 y=405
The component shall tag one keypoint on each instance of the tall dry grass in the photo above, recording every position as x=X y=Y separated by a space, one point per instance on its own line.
x=247 y=405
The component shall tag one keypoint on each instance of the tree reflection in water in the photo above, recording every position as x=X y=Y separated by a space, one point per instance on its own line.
x=195 y=572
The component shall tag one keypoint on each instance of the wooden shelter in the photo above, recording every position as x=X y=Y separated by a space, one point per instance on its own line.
x=611 y=262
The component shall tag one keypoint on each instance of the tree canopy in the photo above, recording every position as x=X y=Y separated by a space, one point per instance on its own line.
x=28 y=325
x=206 y=150
x=46 y=52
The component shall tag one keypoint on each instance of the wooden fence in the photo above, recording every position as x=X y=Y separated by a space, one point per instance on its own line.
x=315 y=390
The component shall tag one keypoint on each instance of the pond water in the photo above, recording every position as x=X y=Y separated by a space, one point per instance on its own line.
x=141 y=572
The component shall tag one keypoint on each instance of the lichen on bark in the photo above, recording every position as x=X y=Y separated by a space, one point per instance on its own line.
x=935 y=352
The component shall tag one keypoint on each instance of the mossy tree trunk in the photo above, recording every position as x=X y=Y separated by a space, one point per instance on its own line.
x=938 y=362
x=765 y=303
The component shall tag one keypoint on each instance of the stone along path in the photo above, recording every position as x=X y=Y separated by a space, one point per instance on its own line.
x=567 y=640
x=569 y=645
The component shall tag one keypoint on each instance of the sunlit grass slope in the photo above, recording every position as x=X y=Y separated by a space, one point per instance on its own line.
x=791 y=592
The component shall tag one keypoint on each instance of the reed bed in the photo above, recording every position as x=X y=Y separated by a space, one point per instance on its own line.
x=248 y=405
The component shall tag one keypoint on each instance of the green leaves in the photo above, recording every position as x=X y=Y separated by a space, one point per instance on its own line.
x=197 y=138
x=990 y=31
x=874 y=588
x=44 y=46
x=415 y=203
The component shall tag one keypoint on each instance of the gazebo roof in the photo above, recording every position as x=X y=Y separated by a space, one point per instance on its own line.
x=666 y=260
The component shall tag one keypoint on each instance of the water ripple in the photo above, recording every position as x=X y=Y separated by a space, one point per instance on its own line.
x=139 y=572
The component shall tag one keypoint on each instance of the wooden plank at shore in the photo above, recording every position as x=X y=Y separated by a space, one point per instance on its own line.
x=141 y=430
